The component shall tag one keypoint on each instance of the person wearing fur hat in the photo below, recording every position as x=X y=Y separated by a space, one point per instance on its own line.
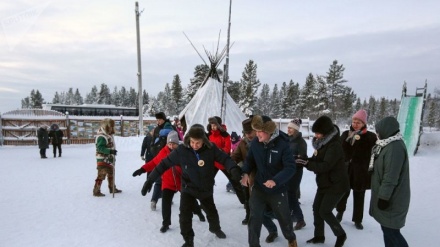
x=357 y=143
x=105 y=157
x=239 y=155
x=328 y=164
x=56 y=138
x=299 y=148
x=196 y=157
x=271 y=157
x=171 y=180
x=218 y=135
x=43 y=140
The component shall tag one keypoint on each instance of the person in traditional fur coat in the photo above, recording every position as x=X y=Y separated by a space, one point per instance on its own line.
x=390 y=183
x=357 y=143
x=105 y=157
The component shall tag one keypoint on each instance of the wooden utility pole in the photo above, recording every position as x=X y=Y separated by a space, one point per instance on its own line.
x=226 y=69
x=139 y=73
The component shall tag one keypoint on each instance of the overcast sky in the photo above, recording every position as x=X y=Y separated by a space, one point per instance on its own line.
x=54 y=45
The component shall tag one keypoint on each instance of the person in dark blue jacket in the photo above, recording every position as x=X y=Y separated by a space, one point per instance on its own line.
x=271 y=157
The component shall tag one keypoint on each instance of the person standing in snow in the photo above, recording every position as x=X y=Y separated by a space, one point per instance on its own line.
x=272 y=160
x=357 y=143
x=171 y=180
x=56 y=138
x=328 y=164
x=146 y=147
x=196 y=158
x=299 y=148
x=43 y=140
x=105 y=157
x=390 y=184
x=218 y=135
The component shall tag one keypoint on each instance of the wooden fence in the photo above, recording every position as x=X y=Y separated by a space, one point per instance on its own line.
x=19 y=127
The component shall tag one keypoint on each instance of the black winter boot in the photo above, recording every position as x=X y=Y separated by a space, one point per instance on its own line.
x=316 y=240
x=189 y=242
x=219 y=233
x=340 y=240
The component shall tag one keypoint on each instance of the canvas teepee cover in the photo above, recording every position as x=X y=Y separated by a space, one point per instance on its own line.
x=207 y=103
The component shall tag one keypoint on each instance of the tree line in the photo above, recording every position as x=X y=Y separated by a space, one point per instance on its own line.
x=319 y=95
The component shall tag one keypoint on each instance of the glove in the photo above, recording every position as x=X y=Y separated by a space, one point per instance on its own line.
x=113 y=151
x=147 y=187
x=142 y=158
x=236 y=174
x=138 y=172
x=383 y=204
x=301 y=162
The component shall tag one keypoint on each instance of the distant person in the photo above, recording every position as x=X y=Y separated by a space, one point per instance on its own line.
x=171 y=180
x=357 y=143
x=105 y=157
x=272 y=160
x=299 y=149
x=196 y=157
x=56 y=138
x=328 y=164
x=43 y=140
x=146 y=153
x=235 y=140
x=390 y=184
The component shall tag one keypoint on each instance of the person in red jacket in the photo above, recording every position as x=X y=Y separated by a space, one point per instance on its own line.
x=171 y=180
x=220 y=137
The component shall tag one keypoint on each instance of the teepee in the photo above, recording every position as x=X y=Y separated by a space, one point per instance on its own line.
x=207 y=102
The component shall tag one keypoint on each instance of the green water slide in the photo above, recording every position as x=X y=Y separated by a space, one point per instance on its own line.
x=410 y=118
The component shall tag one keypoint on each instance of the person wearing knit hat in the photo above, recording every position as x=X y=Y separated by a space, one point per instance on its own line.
x=332 y=182
x=295 y=124
x=357 y=143
x=299 y=148
x=171 y=180
x=196 y=156
x=271 y=158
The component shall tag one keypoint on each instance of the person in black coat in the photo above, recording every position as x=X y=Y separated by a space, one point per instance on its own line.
x=328 y=164
x=146 y=154
x=357 y=144
x=196 y=157
x=43 y=141
x=56 y=138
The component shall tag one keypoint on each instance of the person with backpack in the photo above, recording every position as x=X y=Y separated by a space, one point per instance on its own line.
x=171 y=180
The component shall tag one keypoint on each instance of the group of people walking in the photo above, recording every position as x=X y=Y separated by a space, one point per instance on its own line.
x=266 y=168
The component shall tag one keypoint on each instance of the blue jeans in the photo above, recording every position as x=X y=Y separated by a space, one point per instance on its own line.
x=157 y=190
x=393 y=237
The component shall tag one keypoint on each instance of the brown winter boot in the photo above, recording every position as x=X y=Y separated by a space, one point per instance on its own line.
x=110 y=186
x=293 y=243
x=97 y=188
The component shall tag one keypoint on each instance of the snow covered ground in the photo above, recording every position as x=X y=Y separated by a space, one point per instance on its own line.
x=49 y=203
